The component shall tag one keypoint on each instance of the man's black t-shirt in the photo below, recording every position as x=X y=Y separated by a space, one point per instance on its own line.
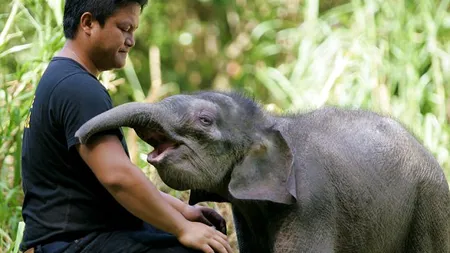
x=63 y=199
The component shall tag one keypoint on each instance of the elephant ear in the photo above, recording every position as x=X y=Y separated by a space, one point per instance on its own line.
x=266 y=171
x=197 y=196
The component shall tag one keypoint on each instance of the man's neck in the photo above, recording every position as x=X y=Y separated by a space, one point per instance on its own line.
x=73 y=51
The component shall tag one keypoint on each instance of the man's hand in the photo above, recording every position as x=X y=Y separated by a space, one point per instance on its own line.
x=205 y=238
x=205 y=215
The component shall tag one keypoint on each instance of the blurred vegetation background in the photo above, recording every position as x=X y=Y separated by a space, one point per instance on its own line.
x=389 y=56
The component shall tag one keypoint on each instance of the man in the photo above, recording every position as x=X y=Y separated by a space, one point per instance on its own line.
x=91 y=198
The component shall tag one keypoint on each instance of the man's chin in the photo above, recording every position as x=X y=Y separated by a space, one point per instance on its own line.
x=119 y=65
x=120 y=61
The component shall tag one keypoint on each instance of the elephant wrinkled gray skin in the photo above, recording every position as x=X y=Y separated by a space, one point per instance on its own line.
x=330 y=180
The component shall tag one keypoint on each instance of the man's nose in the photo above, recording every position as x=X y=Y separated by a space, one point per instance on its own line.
x=129 y=41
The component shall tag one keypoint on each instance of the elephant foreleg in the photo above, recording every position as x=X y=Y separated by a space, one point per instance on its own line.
x=247 y=240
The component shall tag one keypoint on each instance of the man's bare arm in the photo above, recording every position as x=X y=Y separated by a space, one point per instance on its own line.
x=133 y=190
x=129 y=185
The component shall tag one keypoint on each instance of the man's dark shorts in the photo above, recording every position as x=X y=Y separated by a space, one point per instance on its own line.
x=148 y=239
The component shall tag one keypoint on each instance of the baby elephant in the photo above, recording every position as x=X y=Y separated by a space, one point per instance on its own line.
x=330 y=180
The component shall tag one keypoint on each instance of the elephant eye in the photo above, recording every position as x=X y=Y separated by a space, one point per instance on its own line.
x=205 y=120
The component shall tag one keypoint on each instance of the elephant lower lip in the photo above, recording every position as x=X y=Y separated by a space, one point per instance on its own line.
x=159 y=153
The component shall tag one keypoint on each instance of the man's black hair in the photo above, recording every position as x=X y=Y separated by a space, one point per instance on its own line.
x=100 y=9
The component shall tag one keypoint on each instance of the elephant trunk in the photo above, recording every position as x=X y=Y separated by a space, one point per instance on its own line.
x=136 y=115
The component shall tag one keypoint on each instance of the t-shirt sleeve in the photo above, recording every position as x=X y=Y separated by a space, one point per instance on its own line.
x=76 y=100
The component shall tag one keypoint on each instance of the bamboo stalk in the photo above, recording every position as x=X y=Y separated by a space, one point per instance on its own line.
x=155 y=75
x=9 y=22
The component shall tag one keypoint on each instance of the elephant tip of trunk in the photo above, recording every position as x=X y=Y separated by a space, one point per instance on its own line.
x=82 y=135
x=87 y=130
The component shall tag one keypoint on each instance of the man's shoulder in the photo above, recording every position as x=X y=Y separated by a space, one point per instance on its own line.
x=66 y=75
x=66 y=69
x=58 y=70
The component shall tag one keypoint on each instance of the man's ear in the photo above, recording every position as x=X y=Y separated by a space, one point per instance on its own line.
x=87 y=23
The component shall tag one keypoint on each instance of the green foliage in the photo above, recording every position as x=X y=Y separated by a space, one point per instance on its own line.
x=388 y=56
x=29 y=37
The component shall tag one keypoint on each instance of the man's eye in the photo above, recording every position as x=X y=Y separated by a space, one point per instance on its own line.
x=205 y=120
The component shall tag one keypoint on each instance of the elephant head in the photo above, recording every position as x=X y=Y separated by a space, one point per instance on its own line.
x=221 y=143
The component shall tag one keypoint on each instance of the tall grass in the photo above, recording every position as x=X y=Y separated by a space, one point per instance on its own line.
x=27 y=54
x=392 y=57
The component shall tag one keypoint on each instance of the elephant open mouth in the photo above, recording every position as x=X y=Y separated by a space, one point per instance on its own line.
x=162 y=145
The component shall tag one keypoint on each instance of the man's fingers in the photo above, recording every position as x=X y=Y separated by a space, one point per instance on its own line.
x=219 y=242
x=207 y=249
x=223 y=242
x=223 y=227
x=206 y=238
x=218 y=246
x=223 y=236
x=205 y=220
x=220 y=223
x=214 y=215
x=215 y=218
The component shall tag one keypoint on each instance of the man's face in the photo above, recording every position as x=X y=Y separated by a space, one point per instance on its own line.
x=111 y=43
